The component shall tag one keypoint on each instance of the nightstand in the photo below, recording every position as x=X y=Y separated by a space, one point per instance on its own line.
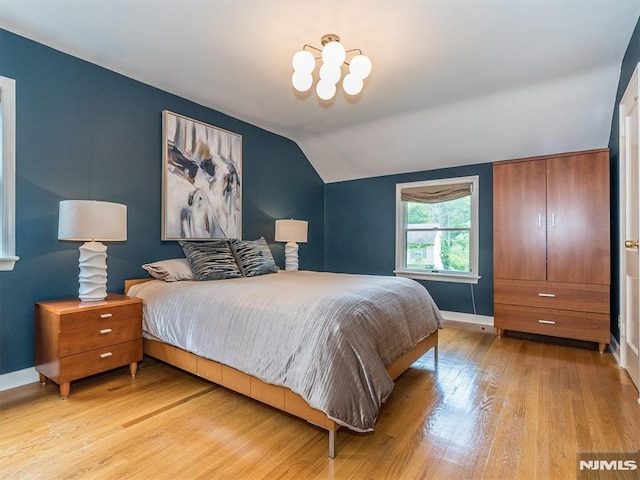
x=75 y=339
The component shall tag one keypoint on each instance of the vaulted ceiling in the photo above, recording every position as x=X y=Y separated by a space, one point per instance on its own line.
x=453 y=82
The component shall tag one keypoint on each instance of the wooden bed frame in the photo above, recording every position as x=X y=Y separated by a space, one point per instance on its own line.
x=276 y=396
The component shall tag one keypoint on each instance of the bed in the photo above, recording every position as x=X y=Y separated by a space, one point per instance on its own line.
x=324 y=347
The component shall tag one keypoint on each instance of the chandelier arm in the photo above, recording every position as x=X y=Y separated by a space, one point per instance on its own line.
x=311 y=47
x=352 y=50
x=307 y=46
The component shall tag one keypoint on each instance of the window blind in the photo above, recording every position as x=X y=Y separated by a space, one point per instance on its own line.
x=436 y=193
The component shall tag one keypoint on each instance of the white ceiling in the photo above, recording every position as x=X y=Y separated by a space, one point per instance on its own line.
x=453 y=82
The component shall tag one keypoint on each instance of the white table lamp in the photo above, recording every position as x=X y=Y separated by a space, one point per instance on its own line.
x=92 y=222
x=291 y=231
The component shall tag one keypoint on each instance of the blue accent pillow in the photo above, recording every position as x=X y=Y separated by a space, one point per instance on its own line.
x=253 y=256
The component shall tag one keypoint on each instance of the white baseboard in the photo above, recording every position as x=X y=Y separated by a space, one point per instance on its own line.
x=468 y=318
x=614 y=346
x=18 y=378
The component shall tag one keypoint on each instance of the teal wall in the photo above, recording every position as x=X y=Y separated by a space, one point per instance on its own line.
x=361 y=225
x=84 y=132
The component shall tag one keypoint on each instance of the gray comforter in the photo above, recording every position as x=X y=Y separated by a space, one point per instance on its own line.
x=326 y=336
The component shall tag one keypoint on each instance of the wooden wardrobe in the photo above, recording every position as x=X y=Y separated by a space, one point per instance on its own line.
x=551 y=246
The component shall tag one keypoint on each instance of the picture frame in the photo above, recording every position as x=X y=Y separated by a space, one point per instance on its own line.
x=201 y=180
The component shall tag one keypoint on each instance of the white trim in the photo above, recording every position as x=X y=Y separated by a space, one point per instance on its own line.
x=614 y=346
x=8 y=166
x=18 y=378
x=7 y=263
x=474 y=246
x=437 y=277
x=468 y=318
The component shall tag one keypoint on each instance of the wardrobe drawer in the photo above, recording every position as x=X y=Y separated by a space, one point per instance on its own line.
x=592 y=327
x=560 y=296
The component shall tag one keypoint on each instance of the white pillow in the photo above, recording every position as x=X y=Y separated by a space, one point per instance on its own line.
x=172 y=270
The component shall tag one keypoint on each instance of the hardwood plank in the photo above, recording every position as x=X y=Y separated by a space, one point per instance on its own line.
x=496 y=408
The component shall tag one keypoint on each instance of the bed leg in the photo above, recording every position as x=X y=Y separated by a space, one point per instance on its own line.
x=435 y=356
x=332 y=443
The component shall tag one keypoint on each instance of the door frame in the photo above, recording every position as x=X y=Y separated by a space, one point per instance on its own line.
x=622 y=168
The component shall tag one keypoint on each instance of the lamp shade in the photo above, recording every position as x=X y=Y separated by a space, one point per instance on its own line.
x=88 y=220
x=333 y=53
x=291 y=231
x=304 y=61
x=301 y=81
x=360 y=66
x=352 y=85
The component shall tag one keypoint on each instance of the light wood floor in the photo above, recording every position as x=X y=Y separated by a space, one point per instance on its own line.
x=495 y=409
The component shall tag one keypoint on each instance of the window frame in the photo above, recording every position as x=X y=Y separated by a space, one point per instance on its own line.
x=8 y=174
x=401 y=246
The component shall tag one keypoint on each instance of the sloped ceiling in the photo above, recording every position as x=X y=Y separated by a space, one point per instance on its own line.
x=453 y=82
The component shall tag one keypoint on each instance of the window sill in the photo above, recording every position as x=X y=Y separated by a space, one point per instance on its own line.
x=7 y=263
x=437 y=277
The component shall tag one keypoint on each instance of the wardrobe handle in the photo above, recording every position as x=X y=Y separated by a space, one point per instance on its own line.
x=553 y=219
x=548 y=295
x=539 y=220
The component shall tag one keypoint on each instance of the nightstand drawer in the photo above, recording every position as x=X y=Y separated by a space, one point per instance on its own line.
x=91 y=335
x=560 y=296
x=81 y=365
x=591 y=327
x=98 y=317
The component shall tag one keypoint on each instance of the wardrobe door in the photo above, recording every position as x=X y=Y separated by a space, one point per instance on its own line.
x=519 y=224
x=578 y=238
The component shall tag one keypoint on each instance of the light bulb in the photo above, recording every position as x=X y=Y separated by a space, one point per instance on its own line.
x=330 y=73
x=352 y=85
x=360 y=66
x=333 y=54
x=301 y=81
x=304 y=61
x=325 y=90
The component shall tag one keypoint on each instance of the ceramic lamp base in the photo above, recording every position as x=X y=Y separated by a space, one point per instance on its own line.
x=93 y=272
x=291 y=256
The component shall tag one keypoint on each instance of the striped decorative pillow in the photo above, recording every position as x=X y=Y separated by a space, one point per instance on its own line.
x=211 y=260
x=253 y=256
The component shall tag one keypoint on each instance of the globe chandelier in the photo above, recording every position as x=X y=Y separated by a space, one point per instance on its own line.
x=333 y=56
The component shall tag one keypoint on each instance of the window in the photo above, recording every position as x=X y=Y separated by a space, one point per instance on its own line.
x=7 y=172
x=437 y=230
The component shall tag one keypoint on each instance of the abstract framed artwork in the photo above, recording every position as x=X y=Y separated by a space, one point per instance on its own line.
x=201 y=180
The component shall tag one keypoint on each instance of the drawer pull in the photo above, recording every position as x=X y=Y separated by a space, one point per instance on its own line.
x=106 y=355
x=548 y=295
x=104 y=331
x=547 y=322
x=106 y=315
